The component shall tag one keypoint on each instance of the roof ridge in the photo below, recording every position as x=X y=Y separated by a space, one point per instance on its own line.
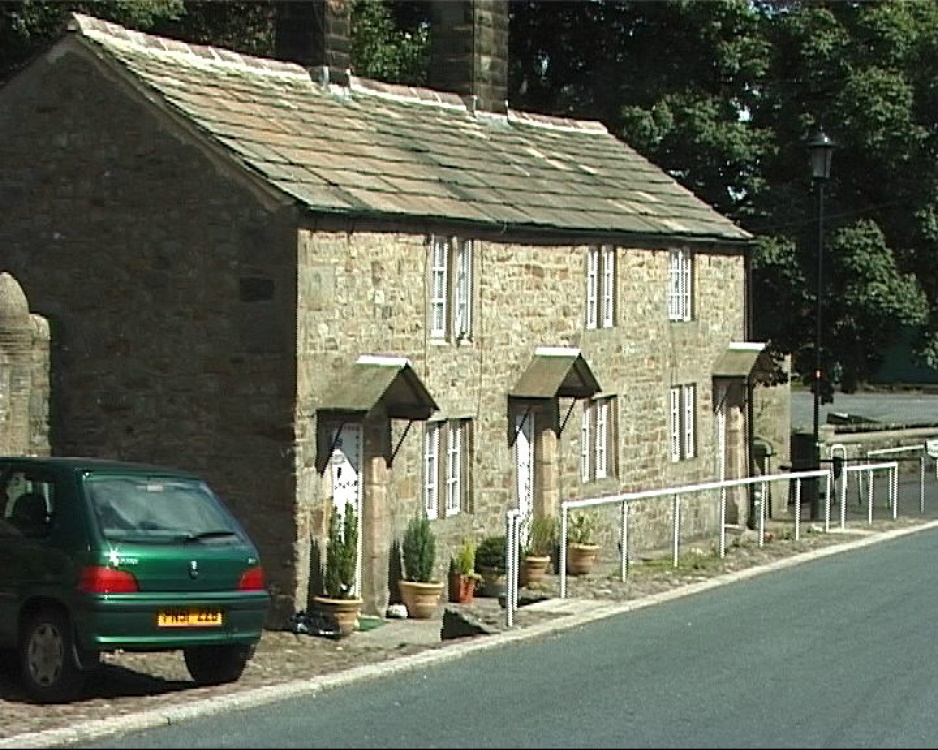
x=199 y=54
x=448 y=100
x=207 y=56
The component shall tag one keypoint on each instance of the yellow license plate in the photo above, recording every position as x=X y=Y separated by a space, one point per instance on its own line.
x=189 y=618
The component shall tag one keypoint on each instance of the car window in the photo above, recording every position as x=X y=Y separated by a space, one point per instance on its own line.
x=158 y=509
x=28 y=502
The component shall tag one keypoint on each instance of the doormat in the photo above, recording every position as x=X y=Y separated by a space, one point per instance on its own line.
x=366 y=623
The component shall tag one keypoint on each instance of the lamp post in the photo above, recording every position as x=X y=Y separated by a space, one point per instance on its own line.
x=820 y=147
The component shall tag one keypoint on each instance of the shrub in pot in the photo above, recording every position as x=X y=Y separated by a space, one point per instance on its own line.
x=536 y=557
x=420 y=589
x=492 y=564
x=462 y=577
x=338 y=599
x=582 y=548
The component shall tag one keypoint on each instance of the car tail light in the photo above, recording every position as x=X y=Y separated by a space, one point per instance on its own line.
x=99 y=579
x=252 y=579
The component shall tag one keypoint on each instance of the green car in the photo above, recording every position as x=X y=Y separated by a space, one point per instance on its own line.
x=99 y=555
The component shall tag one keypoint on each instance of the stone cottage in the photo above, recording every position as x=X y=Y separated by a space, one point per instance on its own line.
x=318 y=290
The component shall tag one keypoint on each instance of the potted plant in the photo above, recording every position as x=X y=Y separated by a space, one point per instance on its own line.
x=339 y=599
x=582 y=547
x=491 y=565
x=541 y=540
x=420 y=589
x=462 y=573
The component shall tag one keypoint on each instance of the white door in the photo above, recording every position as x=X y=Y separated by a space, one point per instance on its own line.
x=524 y=469
x=721 y=395
x=346 y=479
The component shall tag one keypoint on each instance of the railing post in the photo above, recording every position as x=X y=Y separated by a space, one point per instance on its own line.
x=843 y=499
x=676 y=531
x=624 y=536
x=722 y=522
x=564 y=515
x=797 y=508
x=921 y=483
x=512 y=529
x=894 y=491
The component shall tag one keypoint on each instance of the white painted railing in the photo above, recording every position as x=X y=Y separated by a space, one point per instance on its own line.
x=513 y=517
x=512 y=555
x=920 y=448
x=839 y=451
x=892 y=472
x=676 y=494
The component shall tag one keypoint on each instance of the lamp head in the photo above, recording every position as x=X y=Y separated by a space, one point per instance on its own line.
x=820 y=147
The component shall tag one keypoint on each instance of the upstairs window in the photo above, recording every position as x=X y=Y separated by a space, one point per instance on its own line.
x=600 y=287
x=680 y=285
x=451 y=287
x=683 y=428
x=462 y=294
x=445 y=472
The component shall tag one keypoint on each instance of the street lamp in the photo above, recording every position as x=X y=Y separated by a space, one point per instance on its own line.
x=820 y=148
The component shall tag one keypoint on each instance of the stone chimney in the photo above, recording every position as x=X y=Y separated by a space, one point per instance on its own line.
x=469 y=51
x=315 y=34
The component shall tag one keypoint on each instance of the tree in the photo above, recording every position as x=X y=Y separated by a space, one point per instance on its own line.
x=853 y=69
x=685 y=109
x=388 y=47
x=29 y=26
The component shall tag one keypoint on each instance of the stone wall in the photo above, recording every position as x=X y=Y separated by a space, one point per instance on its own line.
x=365 y=293
x=24 y=374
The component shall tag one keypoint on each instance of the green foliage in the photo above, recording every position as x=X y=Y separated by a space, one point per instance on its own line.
x=490 y=553
x=29 y=26
x=383 y=50
x=464 y=561
x=542 y=536
x=582 y=527
x=418 y=550
x=342 y=554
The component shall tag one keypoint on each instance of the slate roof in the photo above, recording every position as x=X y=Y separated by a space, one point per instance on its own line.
x=371 y=150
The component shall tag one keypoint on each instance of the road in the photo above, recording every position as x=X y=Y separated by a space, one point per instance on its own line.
x=835 y=652
x=895 y=407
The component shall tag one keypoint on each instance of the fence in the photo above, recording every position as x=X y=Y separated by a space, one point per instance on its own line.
x=676 y=494
x=794 y=480
x=929 y=449
x=892 y=474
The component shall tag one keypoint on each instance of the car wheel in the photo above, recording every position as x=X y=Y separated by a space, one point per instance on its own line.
x=214 y=665
x=50 y=673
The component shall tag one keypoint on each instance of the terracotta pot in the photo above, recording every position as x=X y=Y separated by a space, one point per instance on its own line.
x=533 y=569
x=344 y=611
x=461 y=588
x=422 y=598
x=581 y=558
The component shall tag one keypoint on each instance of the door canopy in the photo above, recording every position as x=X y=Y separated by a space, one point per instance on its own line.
x=374 y=382
x=554 y=372
x=745 y=360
